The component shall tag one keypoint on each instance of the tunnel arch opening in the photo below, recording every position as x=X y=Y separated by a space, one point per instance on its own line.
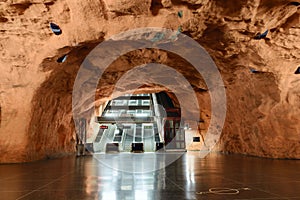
x=52 y=133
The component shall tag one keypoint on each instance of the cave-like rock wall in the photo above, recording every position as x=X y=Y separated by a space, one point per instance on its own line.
x=263 y=108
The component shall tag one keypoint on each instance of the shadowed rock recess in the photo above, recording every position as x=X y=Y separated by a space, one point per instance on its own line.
x=263 y=105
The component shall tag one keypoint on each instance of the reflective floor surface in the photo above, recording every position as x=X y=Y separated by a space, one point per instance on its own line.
x=87 y=178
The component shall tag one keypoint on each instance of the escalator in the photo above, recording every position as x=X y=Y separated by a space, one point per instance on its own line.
x=148 y=138
x=105 y=135
x=127 y=142
x=147 y=122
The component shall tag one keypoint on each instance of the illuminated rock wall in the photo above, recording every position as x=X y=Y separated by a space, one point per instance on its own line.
x=263 y=108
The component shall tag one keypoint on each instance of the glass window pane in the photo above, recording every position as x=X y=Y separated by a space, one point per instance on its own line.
x=146 y=102
x=133 y=102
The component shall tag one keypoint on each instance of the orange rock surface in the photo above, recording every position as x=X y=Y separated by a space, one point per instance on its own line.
x=263 y=109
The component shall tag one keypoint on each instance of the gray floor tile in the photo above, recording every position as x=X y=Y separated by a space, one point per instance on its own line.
x=86 y=178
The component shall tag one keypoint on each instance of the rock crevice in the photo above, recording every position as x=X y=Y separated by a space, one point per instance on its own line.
x=262 y=89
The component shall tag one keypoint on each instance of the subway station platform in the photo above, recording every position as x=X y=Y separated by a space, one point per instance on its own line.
x=189 y=177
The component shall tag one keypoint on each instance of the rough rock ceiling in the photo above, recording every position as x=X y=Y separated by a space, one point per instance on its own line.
x=263 y=109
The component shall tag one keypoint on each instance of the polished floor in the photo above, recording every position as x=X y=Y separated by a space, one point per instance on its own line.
x=189 y=177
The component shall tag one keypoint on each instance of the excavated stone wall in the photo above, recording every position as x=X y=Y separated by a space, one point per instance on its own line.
x=263 y=108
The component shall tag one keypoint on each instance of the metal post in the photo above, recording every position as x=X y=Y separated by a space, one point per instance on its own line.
x=82 y=137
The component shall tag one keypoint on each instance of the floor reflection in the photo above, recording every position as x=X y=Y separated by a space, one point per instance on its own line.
x=88 y=178
x=137 y=162
x=127 y=176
